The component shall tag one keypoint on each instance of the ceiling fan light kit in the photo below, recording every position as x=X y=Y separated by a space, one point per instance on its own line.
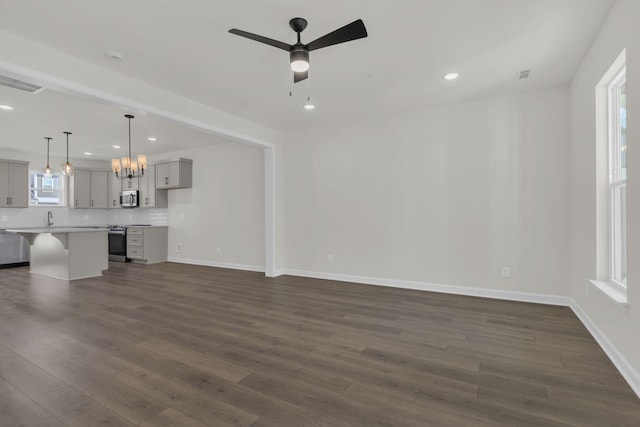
x=299 y=60
x=299 y=52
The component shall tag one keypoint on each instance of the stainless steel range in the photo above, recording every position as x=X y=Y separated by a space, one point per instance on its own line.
x=118 y=243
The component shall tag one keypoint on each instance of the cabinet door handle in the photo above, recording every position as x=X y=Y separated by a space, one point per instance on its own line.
x=92 y=203
x=10 y=200
x=114 y=202
x=76 y=202
x=166 y=180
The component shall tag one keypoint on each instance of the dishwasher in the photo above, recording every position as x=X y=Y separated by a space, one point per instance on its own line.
x=14 y=250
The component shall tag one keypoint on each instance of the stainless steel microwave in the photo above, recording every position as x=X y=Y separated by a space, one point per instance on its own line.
x=129 y=198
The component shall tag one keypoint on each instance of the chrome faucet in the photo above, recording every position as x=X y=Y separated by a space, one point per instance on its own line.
x=49 y=219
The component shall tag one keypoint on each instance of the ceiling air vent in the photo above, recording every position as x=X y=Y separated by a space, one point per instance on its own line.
x=524 y=74
x=19 y=84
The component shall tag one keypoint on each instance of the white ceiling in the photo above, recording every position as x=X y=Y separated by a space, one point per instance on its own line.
x=185 y=47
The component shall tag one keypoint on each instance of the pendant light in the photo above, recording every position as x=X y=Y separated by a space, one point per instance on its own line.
x=67 y=168
x=127 y=167
x=47 y=169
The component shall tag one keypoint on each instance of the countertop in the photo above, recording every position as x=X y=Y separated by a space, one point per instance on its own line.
x=41 y=230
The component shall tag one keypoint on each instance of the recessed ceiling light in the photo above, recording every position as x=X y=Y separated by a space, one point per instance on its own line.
x=152 y=138
x=6 y=107
x=115 y=146
x=309 y=106
x=451 y=76
x=86 y=153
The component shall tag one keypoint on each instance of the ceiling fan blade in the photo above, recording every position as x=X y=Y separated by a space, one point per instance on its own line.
x=298 y=77
x=355 y=30
x=262 y=39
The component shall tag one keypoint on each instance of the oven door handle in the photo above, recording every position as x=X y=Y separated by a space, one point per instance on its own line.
x=119 y=233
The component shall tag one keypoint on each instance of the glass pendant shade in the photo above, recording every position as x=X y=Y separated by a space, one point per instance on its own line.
x=47 y=169
x=67 y=168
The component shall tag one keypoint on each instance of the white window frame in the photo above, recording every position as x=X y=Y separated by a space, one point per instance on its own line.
x=617 y=184
x=63 y=186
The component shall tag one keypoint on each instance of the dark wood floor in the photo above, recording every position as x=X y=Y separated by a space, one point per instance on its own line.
x=177 y=345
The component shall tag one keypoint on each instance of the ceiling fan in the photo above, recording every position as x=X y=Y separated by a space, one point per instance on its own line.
x=299 y=52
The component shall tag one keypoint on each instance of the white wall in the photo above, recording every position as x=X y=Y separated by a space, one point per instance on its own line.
x=447 y=195
x=620 y=327
x=220 y=221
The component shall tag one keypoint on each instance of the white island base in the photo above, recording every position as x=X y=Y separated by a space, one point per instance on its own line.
x=67 y=253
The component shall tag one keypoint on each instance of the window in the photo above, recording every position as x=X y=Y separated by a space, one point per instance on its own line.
x=46 y=190
x=617 y=142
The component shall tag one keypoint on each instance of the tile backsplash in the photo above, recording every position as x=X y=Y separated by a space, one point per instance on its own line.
x=63 y=216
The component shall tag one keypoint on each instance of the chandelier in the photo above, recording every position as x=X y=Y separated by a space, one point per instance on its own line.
x=127 y=167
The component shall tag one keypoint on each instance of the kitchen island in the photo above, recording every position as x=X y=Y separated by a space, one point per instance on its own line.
x=67 y=253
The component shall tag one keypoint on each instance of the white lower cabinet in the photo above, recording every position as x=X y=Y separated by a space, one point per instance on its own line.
x=147 y=245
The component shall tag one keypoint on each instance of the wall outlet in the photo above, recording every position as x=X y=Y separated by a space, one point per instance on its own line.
x=5 y=218
x=218 y=251
x=86 y=217
x=330 y=258
x=181 y=216
x=178 y=247
x=506 y=272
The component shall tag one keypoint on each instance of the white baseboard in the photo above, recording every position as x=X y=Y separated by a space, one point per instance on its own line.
x=232 y=266
x=434 y=287
x=279 y=272
x=624 y=367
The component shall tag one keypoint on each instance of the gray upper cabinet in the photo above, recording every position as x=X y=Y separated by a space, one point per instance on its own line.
x=90 y=189
x=99 y=189
x=150 y=196
x=114 y=185
x=174 y=174
x=14 y=184
x=80 y=189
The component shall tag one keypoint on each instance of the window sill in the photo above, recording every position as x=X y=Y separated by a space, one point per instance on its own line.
x=613 y=292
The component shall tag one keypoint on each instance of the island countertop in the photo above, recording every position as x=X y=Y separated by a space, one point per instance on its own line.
x=56 y=230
